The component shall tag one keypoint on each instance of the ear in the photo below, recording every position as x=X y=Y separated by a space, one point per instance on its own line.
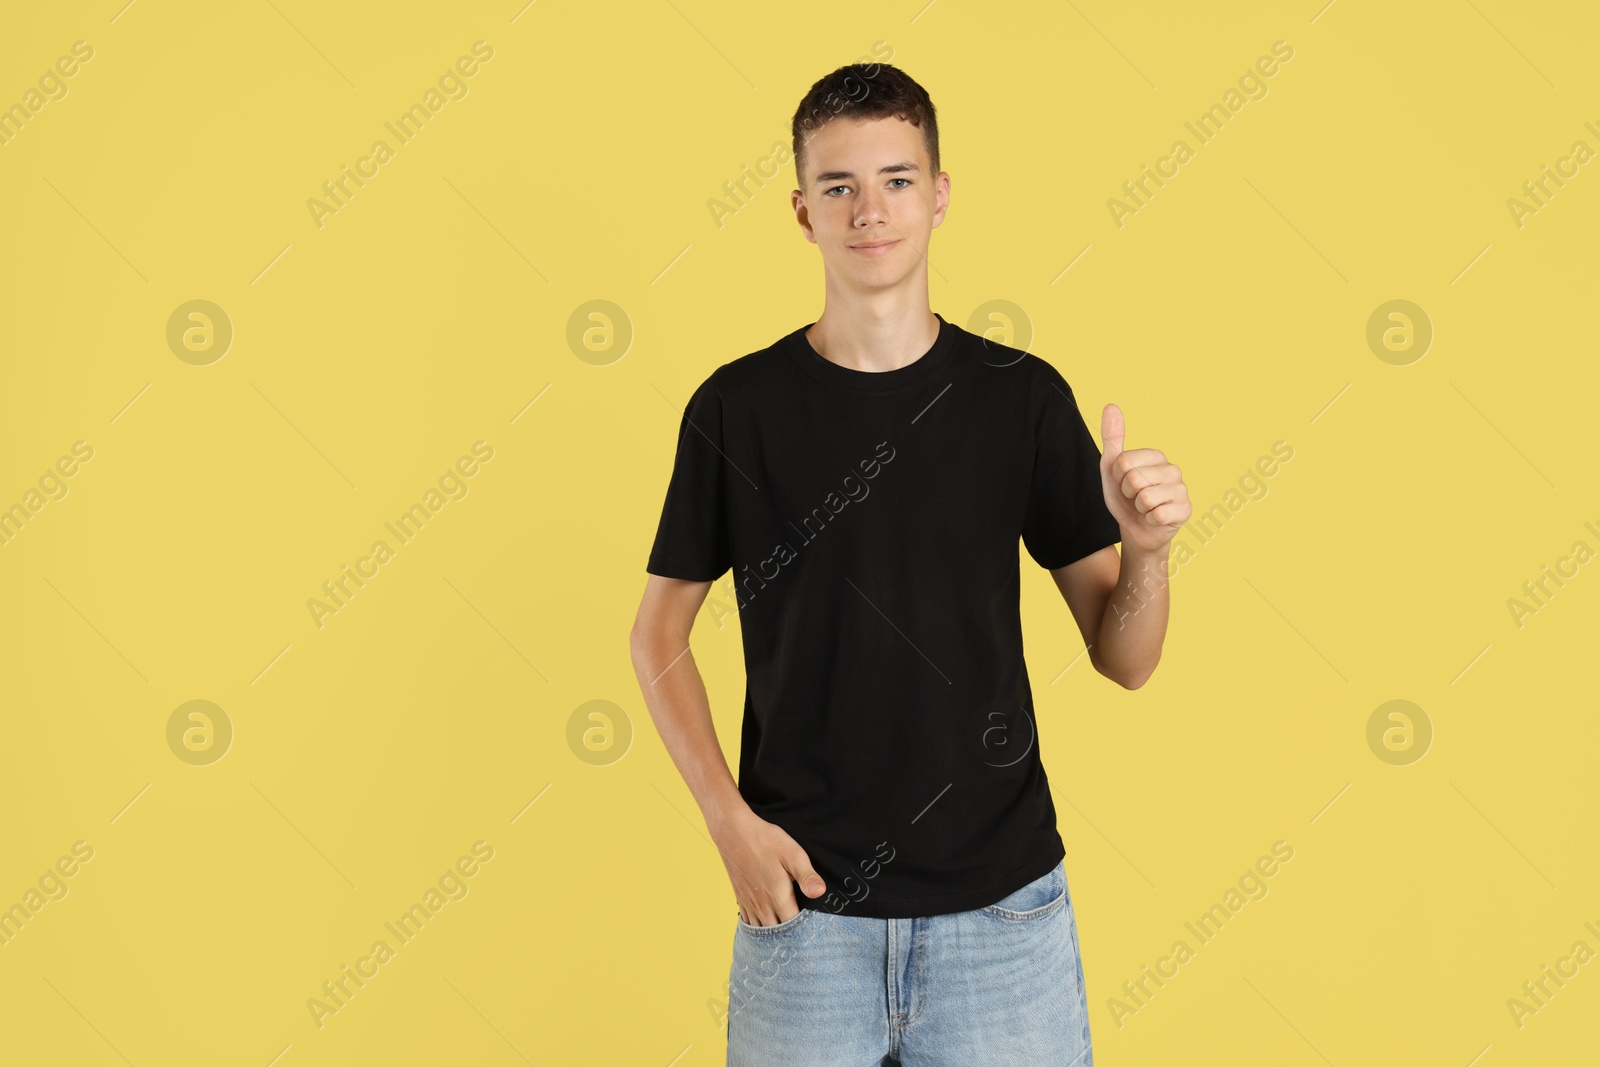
x=941 y=197
x=802 y=214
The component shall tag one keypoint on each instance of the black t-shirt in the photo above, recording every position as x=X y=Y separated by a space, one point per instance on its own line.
x=871 y=521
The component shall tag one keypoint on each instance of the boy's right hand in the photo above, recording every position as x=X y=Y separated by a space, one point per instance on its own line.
x=763 y=864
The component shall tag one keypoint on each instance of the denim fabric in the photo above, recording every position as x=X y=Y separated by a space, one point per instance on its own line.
x=995 y=986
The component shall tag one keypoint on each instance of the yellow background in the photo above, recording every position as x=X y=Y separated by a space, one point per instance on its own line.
x=435 y=709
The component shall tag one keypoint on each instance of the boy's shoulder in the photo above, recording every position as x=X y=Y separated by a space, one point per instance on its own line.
x=1037 y=370
x=753 y=370
x=1027 y=379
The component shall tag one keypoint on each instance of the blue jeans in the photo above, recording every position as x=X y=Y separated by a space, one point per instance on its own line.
x=997 y=985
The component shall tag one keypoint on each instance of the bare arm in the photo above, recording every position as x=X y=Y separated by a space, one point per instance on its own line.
x=763 y=861
x=675 y=694
x=1121 y=608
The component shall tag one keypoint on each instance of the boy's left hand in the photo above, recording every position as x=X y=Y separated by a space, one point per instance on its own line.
x=1145 y=493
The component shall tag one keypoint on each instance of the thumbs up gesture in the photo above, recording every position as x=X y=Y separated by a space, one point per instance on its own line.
x=1145 y=493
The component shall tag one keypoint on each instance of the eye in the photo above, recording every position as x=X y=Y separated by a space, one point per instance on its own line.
x=830 y=192
x=906 y=180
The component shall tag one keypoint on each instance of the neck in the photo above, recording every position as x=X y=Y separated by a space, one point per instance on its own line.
x=874 y=334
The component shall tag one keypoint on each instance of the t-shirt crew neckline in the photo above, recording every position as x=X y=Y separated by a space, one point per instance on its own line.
x=866 y=381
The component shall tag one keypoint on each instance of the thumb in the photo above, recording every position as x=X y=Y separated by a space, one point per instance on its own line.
x=810 y=881
x=1111 y=429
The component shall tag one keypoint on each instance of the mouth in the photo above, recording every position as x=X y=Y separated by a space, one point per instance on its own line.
x=873 y=249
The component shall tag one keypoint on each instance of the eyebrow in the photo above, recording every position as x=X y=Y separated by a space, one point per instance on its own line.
x=892 y=168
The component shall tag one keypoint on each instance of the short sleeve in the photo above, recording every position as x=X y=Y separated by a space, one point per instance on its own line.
x=1067 y=517
x=692 y=537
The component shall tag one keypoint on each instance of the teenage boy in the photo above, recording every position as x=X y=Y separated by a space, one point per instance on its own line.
x=891 y=840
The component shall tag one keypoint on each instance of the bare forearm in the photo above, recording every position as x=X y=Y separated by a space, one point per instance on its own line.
x=1134 y=624
x=675 y=694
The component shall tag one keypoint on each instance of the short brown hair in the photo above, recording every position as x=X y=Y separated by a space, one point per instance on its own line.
x=863 y=91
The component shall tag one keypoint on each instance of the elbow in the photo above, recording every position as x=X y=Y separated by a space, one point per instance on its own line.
x=639 y=642
x=648 y=625
x=1127 y=679
x=644 y=656
x=653 y=643
x=1134 y=681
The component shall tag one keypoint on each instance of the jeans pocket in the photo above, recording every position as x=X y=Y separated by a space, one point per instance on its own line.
x=1039 y=899
x=784 y=927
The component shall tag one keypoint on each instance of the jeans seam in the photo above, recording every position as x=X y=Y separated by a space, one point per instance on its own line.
x=918 y=990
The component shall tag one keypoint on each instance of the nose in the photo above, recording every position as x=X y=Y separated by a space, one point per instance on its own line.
x=869 y=209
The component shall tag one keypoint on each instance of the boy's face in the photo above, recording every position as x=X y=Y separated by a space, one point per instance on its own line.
x=868 y=183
